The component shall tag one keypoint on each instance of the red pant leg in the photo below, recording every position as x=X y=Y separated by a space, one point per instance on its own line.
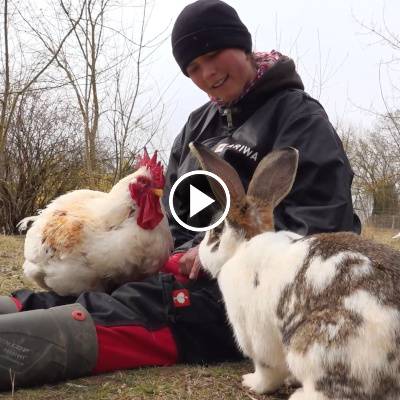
x=125 y=347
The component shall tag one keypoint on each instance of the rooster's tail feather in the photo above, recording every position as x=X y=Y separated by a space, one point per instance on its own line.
x=26 y=223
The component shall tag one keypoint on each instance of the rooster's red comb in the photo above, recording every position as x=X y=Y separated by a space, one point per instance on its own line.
x=155 y=167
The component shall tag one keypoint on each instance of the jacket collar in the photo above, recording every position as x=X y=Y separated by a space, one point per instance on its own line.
x=282 y=75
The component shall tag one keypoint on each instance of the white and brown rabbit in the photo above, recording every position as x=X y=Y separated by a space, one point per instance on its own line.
x=324 y=308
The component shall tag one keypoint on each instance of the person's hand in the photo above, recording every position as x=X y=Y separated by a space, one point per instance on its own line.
x=189 y=264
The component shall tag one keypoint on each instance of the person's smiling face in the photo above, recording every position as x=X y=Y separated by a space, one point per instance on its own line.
x=222 y=74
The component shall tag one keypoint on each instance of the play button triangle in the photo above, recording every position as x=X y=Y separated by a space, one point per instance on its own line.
x=204 y=208
x=198 y=201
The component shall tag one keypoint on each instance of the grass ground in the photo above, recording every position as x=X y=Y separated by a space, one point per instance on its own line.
x=220 y=381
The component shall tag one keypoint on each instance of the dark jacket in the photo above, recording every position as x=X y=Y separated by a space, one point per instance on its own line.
x=276 y=113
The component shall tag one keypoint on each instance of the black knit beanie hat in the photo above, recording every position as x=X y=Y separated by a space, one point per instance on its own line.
x=204 y=26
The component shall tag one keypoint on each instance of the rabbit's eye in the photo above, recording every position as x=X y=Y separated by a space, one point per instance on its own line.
x=244 y=209
x=219 y=228
x=214 y=237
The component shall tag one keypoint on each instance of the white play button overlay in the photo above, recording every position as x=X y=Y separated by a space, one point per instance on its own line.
x=198 y=201
x=193 y=204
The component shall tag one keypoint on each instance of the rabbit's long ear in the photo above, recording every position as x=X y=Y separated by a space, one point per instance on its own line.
x=274 y=176
x=211 y=162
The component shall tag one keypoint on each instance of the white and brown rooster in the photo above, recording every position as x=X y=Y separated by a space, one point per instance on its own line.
x=89 y=240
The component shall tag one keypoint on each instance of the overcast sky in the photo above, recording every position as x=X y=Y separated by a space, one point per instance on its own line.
x=322 y=36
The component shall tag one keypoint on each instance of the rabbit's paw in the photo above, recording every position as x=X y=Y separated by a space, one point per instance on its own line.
x=301 y=394
x=262 y=382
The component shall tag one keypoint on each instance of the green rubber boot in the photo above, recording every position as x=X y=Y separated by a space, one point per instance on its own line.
x=7 y=306
x=45 y=346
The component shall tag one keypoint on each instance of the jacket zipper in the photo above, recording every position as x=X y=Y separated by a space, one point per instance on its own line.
x=227 y=112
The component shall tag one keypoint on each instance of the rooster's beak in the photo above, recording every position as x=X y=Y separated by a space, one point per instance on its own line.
x=158 y=192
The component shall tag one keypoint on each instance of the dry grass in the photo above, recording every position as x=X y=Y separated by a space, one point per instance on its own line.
x=11 y=259
x=220 y=381
x=168 y=383
x=382 y=235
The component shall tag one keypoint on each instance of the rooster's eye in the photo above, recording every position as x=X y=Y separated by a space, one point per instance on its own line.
x=132 y=211
x=143 y=180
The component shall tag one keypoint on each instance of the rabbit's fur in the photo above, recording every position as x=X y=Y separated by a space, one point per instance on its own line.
x=324 y=308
